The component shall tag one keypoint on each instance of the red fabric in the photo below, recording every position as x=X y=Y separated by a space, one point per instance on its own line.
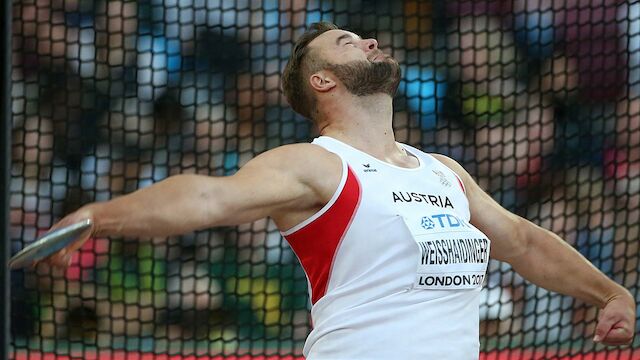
x=317 y=242
x=461 y=184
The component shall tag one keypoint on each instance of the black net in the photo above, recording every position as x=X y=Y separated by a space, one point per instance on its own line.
x=539 y=100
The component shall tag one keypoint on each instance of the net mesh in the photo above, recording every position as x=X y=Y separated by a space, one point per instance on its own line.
x=539 y=100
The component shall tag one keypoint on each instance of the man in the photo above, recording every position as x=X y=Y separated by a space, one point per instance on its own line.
x=394 y=242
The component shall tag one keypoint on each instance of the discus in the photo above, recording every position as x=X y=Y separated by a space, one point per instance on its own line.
x=49 y=244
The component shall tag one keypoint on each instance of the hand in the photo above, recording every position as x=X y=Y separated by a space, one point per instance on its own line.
x=617 y=321
x=62 y=258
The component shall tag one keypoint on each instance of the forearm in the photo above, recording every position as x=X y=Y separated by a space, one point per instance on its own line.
x=177 y=205
x=553 y=264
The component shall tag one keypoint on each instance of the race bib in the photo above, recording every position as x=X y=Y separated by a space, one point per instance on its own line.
x=453 y=253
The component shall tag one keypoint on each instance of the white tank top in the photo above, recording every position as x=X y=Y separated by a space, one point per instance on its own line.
x=394 y=267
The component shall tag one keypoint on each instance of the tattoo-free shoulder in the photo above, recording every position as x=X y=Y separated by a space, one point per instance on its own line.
x=308 y=170
x=311 y=164
x=302 y=156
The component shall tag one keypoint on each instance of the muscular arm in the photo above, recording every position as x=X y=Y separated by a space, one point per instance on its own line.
x=287 y=183
x=273 y=183
x=541 y=256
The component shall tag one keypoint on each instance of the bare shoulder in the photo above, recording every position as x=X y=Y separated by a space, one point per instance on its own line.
x=304 y=160
x=306 y=174
x=302 y=152
x=305 y=164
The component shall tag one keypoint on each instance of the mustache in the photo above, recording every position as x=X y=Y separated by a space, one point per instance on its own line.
x=375 y=53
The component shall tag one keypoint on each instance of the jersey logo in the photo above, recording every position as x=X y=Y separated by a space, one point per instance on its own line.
x=368 y=168
x=443 y=179
x=442 y=221
x=427 y=223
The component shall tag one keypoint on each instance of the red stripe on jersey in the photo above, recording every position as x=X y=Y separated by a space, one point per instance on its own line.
x=461 y=184
x=316 y=243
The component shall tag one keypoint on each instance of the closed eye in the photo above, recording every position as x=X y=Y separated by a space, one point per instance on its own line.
x=349 y=39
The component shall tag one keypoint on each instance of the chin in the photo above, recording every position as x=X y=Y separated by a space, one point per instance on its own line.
x=390 y=59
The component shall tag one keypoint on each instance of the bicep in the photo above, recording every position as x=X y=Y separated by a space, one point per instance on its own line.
x=291 y=179
x=259 y=190
x=503 y=228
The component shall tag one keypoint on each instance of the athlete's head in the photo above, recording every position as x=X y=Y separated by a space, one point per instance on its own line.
x=326 y=57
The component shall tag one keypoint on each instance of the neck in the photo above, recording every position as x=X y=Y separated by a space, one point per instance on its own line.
x=364 y=122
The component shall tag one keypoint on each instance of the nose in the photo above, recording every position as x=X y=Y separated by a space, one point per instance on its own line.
x=369 y=44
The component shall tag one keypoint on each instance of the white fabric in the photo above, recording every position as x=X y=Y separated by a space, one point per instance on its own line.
x=407 y=276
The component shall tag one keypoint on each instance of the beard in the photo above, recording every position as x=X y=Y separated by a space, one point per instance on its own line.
x=363 y=77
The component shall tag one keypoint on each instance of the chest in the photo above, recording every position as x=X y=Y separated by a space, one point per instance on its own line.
x=428 y=192
x=429 y=227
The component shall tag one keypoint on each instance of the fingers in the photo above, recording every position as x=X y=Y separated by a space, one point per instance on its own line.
x=68 y=220
x=613 y=330
x=605 y=323
x=61 y=259
x=618 y=336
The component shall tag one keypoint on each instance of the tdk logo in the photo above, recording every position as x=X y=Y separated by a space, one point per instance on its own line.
x=427 y=223
x=442 y=221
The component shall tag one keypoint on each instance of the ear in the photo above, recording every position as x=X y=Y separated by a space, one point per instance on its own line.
x=322 y=81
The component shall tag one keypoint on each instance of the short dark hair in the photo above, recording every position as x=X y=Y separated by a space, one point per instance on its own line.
x=294 y=82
